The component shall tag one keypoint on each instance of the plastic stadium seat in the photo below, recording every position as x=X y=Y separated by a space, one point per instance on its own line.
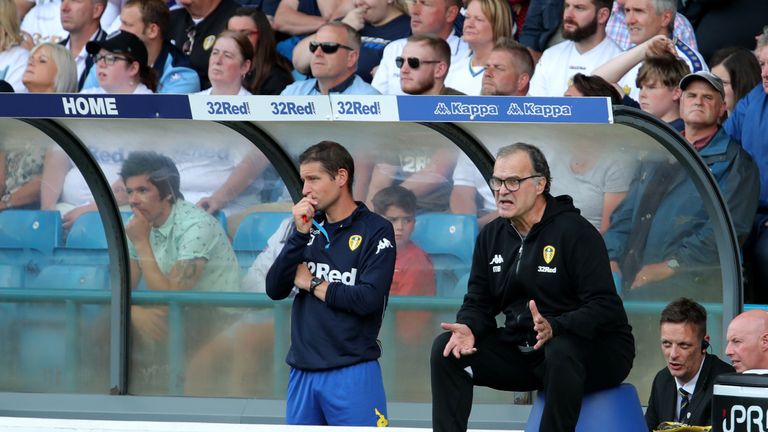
x=70 y=277
x=449 y=239
x=614 y=409
x=30 y=229
x=255 y=229
x=11 y=276
x=87 y=232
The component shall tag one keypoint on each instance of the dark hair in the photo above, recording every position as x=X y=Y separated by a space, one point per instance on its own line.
x=333 y=157
x=600 y=4
x=265 y=54
x=153 y=12
x=161 y=170
x=742 y=66
x=147 y=75
x=396 y=196
x=437 y=44
x=538 y=160
x=686 y=311
x=593 y=85
x=665 y=69
x=521 y=57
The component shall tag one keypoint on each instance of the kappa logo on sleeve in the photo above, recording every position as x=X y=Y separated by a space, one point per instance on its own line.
x=383 y=244
x=496 y=263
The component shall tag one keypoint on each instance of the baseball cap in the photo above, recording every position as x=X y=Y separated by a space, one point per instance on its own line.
x=120 y=42
x=709 y=77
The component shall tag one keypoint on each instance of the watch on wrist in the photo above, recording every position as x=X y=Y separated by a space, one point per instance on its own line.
x=673 y=264
x=6 y=199
x=314 y=283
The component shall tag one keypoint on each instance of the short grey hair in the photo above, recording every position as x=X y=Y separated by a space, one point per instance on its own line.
x=538 y=160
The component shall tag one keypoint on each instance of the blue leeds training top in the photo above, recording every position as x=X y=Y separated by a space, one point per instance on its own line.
x=357 y=256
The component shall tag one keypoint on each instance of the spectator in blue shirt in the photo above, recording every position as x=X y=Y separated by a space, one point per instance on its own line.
x=335 y=52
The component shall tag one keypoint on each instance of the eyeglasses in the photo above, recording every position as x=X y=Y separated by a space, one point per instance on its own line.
x=190 y=42
x=511 y=183
x=327 y=47
x=413 y=62
x=404 y=220
x=109 y=59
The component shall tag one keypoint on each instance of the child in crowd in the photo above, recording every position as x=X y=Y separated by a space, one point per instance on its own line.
x=414 y=276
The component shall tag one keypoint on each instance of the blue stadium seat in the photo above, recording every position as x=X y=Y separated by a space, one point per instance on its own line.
x=30 y=229
x=255 y=229
x=11 y=276
x=70 y=277
x=449 y=239
x=614 y=409
x=87 y=232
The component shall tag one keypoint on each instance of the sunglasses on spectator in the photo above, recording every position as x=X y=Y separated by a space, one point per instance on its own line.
x=413 y=62
x=190 y=42
x=109 y=59
x=327 y=47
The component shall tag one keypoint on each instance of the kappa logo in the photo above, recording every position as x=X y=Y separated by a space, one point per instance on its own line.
x=383 y=244
x=496 y=263
x=355 y=241
x=549 y=253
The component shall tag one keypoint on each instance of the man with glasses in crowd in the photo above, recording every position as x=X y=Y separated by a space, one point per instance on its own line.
x=423 y=66
x=194 y=28
x=546 y=268
x=335 y=52
x=427 y=17
x=149 y=20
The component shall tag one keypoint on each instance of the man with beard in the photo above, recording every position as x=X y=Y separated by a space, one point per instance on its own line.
x=585 y=48
x=423 y=66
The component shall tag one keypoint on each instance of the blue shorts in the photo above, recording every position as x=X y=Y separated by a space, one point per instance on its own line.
x=347 y=396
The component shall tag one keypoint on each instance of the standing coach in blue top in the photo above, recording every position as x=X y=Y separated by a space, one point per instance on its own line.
x=339 y=262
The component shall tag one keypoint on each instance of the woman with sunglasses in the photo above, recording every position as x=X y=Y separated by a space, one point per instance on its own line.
x=270 y=72
x=121 y=62
x=485 y=22
x=230 y=61
x=379 y=22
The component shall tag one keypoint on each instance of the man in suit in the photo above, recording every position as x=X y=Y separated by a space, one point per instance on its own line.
x=682 y=391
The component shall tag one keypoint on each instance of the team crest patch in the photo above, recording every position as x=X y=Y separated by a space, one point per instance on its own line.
x=208 y=42
x=549 y=253
x=355 y=241
x=382 y=421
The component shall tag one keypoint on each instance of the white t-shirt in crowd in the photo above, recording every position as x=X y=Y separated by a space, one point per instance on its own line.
x=241 y=92
x=558 y=64
x=464 y=77
x=43 y=23
x=13 y=63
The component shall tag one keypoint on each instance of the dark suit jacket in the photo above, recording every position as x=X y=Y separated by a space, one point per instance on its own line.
x=663 y=401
